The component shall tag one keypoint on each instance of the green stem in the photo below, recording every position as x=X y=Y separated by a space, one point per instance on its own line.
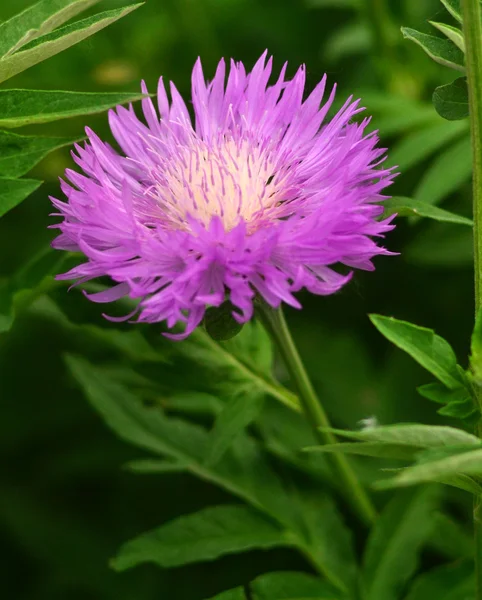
x=276 y=325
x=472 y=19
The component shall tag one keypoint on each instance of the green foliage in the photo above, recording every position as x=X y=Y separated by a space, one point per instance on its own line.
x=400 y=532
x=220 y=323
x=430 y=350
x=407 y=207
x=45 y=46
x=205 y=535
x=37 y=20
x=291 y=586
x=20 y=153
x=441 y=51
x=448 y=582
x=28 y=107
x=451 y=101
x=14 y=191
x=243 y=471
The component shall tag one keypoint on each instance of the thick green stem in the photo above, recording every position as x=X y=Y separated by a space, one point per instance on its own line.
x=276 y=325
x=472 y=18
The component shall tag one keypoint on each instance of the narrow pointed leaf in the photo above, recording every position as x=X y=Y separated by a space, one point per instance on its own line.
x=14 y=191
x=424 y=345
x=289 y=585
x=448 y=582
x=454 y=34
x=28 y=107
x=202 y=536
x=391 y=555
x=408 y=207
x=52 y=43
x=422 y=143
x=441 y=51
x=451 y=101
x=454 y=8
x=235 y=416
x=38 y=19
x=413 y=434
x=476 y=350
x=20 y=153
x=446 y=174
x=466 y=463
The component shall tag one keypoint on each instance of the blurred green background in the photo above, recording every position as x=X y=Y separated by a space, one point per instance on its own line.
x=65 y=502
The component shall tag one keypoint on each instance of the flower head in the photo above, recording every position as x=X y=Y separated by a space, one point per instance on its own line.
x=263 y=195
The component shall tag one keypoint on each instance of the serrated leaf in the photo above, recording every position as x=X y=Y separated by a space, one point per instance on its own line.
x=408 y=207
x=206 y=535
x=422 y=143
x=451 y=100
x=430 y=350
x=29 y=107
x=48 y=45
x=441 y=51
x=14 y=191
x=236 y=594
x=460 y=464
x=446 y=174
x=448 y=582
x=234 y=417
x=290 y=585
x=243 y=471
x=391 y=554
x=20 y=153
x=36 y=20
x=454 y=34
x=453 y=6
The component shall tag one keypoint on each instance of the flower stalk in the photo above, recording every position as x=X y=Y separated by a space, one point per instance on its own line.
x=472 y=28
x=274 y=321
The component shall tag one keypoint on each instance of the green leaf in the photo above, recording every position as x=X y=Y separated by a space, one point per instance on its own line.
x=459 y=409
x=235 y=416
x=460 y=464
x=151 y=466
x=243 y=471
x=52 y=43
x=422 y=143
x=290 y=585
x=442 y=246
x=448 y=582
x=476 y=350
x=439 y=393
x=408 y=207
x=14 y=191
x=202 y=536
x=373 y=449
x=453 y=6
x=241 y=365
x=36 y=20
x=446 y=174
x=236 y=594
x=454 y=34
x=451 y=539
x=428 y=349
x=451 y=100
x=20 y=153
x=441 y=51
x=220 y=323
x=28 y=107
x=391 y=555
x=412 y=434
